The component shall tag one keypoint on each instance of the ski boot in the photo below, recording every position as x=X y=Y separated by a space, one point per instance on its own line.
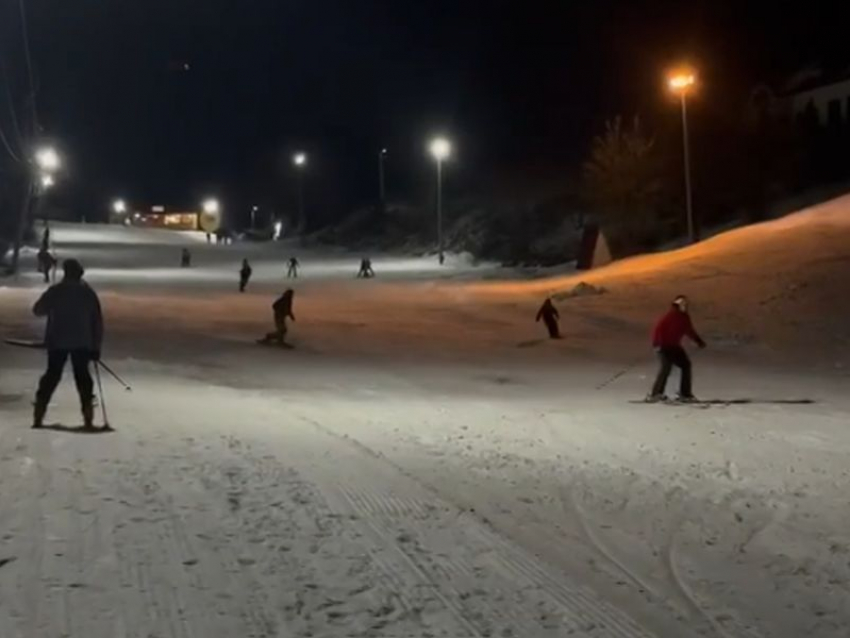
x=655 y=398
x=39 y=410
x=686 y=398
x=88 y=414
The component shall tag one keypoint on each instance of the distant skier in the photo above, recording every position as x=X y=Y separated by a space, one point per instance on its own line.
x=292 y=271
x=549 y=313
x=185 y=258
x=75 y=330
x=365 y=269
x=209 y=238
x=667 y=341
x=45 y=238
x=46 y=263
x=282 y=311
x=244 y=275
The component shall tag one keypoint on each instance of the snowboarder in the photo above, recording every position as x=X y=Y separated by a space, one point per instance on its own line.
x=185 y=258
x=244 y=275
x=46 y=263
x=549 y=313
x=75 y=330
x=292 y=271
x=282 y=311
x=365 y=268
x=667 y=341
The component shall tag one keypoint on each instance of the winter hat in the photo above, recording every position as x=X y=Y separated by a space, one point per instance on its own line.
x=680 y=301
x=73 y=269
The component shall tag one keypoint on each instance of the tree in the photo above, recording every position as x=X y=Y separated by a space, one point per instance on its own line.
x=623 y=178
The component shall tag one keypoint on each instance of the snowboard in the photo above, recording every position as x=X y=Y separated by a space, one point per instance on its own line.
x=25 y=343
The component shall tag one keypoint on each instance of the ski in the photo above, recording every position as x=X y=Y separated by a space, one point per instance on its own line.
x=25 y=343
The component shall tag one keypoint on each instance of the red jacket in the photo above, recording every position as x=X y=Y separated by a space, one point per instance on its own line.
x=672 y=328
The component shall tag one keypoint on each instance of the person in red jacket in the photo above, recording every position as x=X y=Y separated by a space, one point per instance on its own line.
x=667 y=341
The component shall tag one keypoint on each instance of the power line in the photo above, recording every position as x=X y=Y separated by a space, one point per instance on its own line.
x=8 y=146
x=28 y=58
x=11 y=102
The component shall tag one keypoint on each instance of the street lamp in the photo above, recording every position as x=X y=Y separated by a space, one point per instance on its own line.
x=47 y=181
x=300 y=159
x=253 y=217
x=119 y=207
x=382 y=154
x=440 y=148
x=47 y=159
x=211 y=206
x=681 y=83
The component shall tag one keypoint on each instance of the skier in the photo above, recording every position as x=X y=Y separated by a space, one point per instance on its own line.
x=282 y=311
x=185 y=258
x=549 y=313
x=667 y=341
x=46 y=263
x=75 y=330
x=292 y=271
x=244 y=275
x=365 y=268
x=45 y=238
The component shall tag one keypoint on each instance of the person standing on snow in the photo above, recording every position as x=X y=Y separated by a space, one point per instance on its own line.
x=185 y=258
x=75 y=330
x=549 y=313
x=244 y=275
x=282 y=311
x=366 y=270
x=667 y=341
x=292 y=271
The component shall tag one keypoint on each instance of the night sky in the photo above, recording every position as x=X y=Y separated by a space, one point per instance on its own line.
x=517 y=85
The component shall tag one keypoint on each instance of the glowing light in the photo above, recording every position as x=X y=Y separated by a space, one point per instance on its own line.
x=299 y=159
x=47 y=159
x=211 y=206
x=278 y=228
x=681 y=81
x=47 y=181
x=441 y=148
x=119 y=206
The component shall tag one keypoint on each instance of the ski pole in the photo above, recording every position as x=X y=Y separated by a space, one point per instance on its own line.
x=106 y=425
x=114 y=375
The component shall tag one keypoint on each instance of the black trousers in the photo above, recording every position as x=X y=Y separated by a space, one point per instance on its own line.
x=56 y=360
x=552 y=327
x=667 y=358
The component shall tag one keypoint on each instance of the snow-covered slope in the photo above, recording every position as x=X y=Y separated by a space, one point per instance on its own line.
x=424 y=462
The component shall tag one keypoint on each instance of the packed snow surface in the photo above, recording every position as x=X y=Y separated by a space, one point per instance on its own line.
x=424 y=462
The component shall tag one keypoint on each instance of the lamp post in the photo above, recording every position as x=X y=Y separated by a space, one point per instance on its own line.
x=300 y=160
x=382 y=194
x=254 y=217
x=681 y=83
x=441 y=148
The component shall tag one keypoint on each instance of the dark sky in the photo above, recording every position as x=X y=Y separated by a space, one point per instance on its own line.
x=516 y=84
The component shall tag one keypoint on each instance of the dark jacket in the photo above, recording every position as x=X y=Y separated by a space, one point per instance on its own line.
x=74 y=318
x=283 y=307
x=672 y=328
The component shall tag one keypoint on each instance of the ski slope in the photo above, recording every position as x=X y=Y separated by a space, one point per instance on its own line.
x=424 y=462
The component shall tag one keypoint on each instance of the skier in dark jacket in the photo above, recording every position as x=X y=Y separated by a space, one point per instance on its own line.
x=46 y=263
x=667 y=341
x=75 y=330
x=549 y=313
x=292 y=271
x=185 y=258
x=366 y=270
x=282 y=311
x=244 y=275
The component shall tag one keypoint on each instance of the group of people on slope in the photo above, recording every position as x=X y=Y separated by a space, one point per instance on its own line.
x=75 y=331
